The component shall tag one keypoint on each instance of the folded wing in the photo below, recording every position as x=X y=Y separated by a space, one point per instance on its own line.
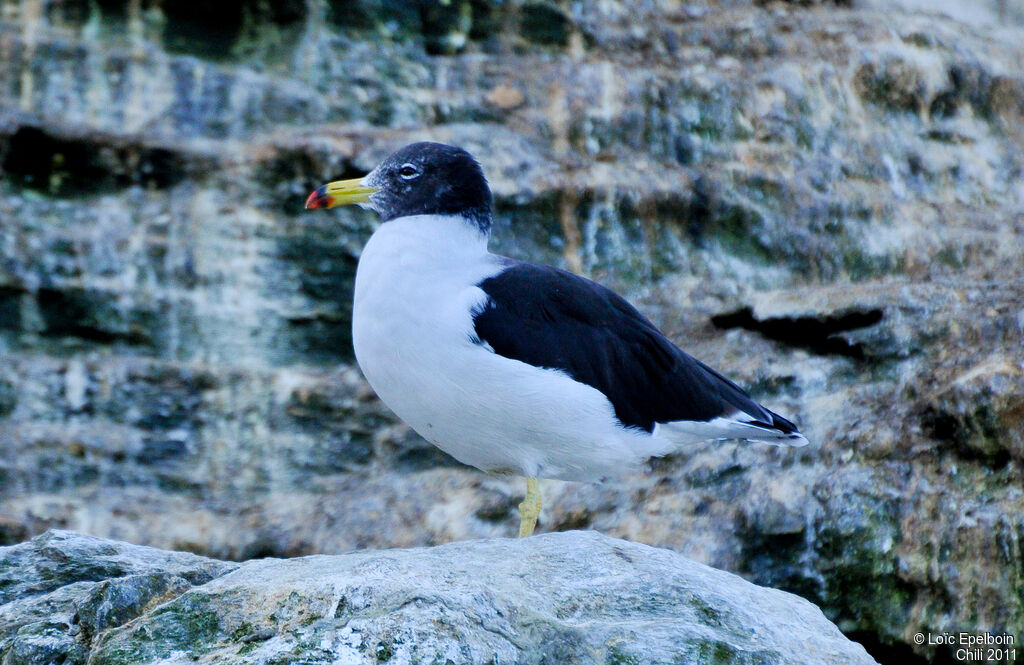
x=554 y=319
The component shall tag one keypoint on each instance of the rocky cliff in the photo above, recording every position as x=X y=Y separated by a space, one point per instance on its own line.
x=575 y=597
x=824 y=200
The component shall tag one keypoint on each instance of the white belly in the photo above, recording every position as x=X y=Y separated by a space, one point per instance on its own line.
x=412 y=326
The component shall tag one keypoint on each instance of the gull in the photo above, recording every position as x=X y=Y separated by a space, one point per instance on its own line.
x=509 y=366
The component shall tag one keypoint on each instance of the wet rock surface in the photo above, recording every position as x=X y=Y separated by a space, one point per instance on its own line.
x=571 y=597
x=823 y=200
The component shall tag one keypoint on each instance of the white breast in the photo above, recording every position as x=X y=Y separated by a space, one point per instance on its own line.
x=412 y=331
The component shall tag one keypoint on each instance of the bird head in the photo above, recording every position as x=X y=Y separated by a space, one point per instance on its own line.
x=419 y=179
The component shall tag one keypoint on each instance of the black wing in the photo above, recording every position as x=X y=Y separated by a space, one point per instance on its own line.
x=552 y=318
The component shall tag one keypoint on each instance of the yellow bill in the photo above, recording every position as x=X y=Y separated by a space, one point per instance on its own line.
x=339 y=193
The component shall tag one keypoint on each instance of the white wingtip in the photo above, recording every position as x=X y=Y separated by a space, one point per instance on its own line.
x=794 y=440
x=682 y=431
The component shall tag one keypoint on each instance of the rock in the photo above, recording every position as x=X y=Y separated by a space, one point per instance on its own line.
x=58 y=559
x=61 y=591
x=446 y=25
x=824 y=204
x=506 y=97
x=571 y=597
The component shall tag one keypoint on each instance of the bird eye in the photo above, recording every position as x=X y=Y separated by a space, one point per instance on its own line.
x=408 y=171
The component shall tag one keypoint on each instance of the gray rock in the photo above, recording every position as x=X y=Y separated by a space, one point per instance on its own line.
x=577 y=597
x=61 y=591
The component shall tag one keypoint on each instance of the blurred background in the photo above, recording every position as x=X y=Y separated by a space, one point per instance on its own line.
x=825 y=200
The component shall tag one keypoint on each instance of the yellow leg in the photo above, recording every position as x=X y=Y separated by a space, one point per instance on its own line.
x=529 y=509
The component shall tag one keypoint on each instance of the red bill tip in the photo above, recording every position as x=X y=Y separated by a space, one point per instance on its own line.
x=319 y=198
